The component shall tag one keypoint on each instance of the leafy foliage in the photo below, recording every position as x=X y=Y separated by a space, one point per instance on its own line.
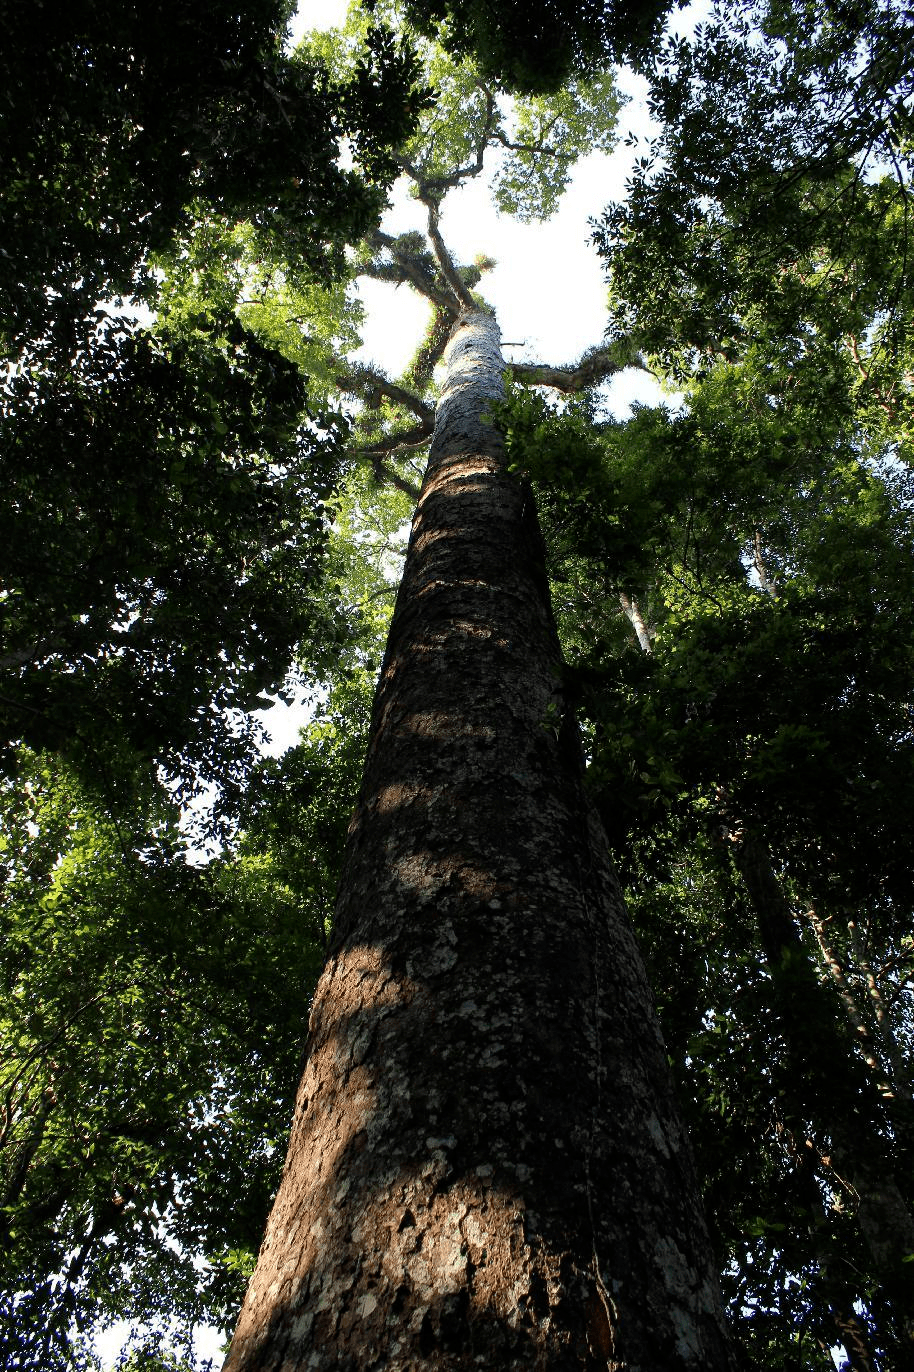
x=166 y=525
x=162 y=543
x=773 y=206
x=166 y=540
x=537 y=48
x=762 y=260
x=151 y=1026
x=116 y=122
x=754 y=772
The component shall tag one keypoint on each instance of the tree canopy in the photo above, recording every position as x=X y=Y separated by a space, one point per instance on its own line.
x=536 y=47
x=166 y=516
x=188 y=505
x=169 y=479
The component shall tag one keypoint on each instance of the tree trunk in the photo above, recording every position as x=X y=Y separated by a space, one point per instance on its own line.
x=829 y=1089
x=632 y=612
x=486 y=1167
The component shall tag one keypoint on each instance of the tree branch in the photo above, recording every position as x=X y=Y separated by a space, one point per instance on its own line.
x=18 y=659
x=445 y=261
x=431 y=350
x=633 y=614
x=538 y=149
x=595 y=367
x=413 y=268
x=366 y=379
x=416 y=437
x=412 y=438
x=384 y=472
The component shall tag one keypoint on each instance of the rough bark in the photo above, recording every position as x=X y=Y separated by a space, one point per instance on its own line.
x=486 y=1168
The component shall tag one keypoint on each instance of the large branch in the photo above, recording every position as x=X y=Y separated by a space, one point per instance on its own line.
x=633 y=614
x=592 y=369
x=539 y=149
x=416 y=437
x=445 y=261
x=413 y=271
x=431 y=350
x=19 y=658
x=384 y=472
x=365 y=380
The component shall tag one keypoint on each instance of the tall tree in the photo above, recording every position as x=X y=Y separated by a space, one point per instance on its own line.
x=486 y=1163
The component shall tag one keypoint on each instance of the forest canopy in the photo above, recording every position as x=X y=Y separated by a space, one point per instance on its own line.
x=205 y=503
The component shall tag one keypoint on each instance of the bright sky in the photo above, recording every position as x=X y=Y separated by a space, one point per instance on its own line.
x=548 y=288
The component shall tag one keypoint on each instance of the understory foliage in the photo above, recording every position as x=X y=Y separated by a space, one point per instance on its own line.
x=190 y=507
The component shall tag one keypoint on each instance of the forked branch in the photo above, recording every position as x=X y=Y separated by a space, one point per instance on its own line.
x=445 y=261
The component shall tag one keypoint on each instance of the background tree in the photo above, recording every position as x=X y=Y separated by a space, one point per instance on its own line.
x=749 y=764
x=167 y=504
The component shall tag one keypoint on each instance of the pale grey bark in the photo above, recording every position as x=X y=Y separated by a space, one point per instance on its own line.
x=761 y=568
x=448 y=270
x=891 y=1048
x=633 y=614
x=835 y=968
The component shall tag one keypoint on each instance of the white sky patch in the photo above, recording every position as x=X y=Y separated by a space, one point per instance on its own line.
x=317 y=14
x=548 y=288
x=208 y=1344
x=284 y=721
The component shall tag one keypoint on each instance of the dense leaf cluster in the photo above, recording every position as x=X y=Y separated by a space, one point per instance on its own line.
x=536 y=47
x=116 y=121
x=165 y=536
x=162 y=536
x=152 y=1019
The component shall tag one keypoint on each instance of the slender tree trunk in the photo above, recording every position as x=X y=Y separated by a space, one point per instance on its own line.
x=632 y=612
x=830 y=1089
x=486 y=1168
x=900 y=1069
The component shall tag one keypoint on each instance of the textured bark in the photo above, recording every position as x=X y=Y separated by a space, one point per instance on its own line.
x=486 y=1168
